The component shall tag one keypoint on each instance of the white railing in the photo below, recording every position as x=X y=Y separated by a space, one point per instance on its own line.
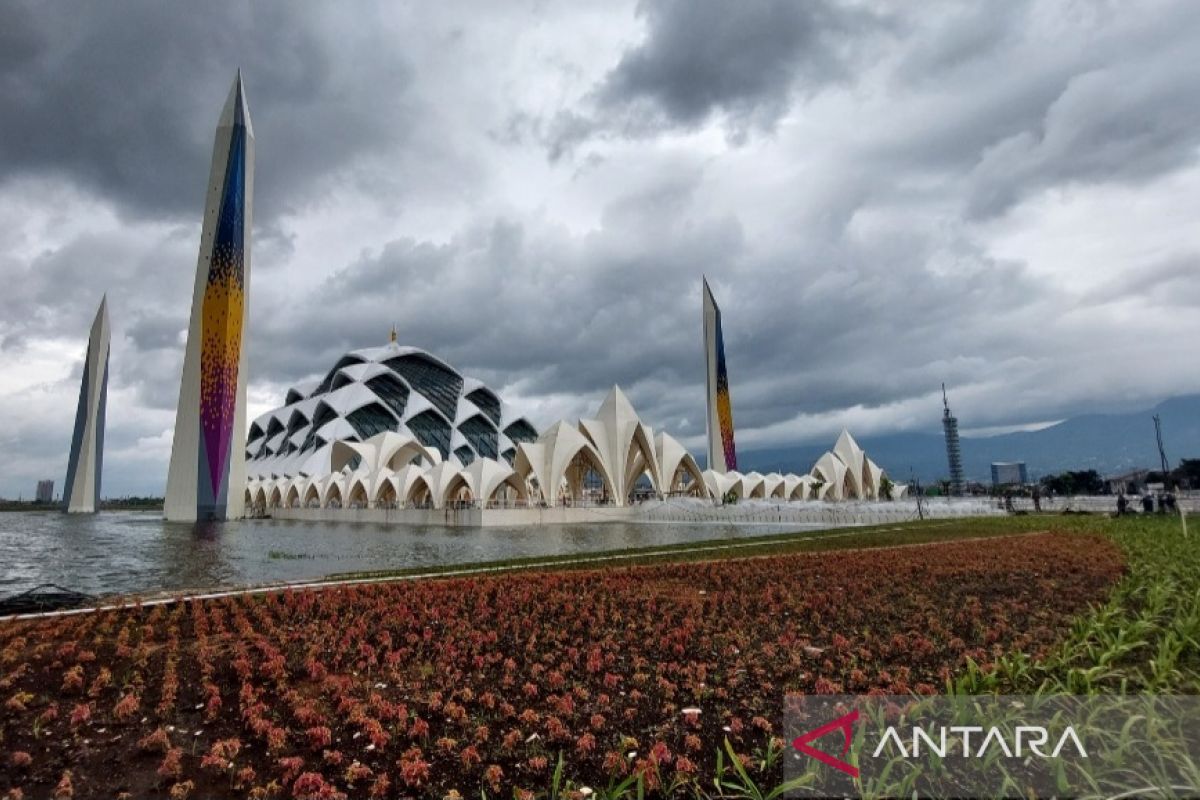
x=811 y=512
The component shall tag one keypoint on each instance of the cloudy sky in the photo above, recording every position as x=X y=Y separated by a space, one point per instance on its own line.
x=1002 y=196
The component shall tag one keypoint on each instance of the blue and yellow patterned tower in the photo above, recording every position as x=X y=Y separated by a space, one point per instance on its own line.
x=207 y=471
x=722 y=454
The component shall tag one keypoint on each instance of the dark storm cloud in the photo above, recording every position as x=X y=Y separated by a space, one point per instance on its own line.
x=1027 y=96
x=66 y=284
x=1128 y=123
x=960 y=38
x=122 y=98
x=509 y=302
x=539 y=311
x=1170 y=284
x=154 y=331
x=861 y=248
x=741 y=60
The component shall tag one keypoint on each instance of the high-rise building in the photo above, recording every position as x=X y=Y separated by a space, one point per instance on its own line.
x=45 y=491
x=81 y=490
x=208 y=460
x=1009 y=473
x=722 y=455
x=953 y=450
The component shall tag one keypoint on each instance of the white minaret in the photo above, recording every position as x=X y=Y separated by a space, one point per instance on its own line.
x=81 y=491
x=207 y=477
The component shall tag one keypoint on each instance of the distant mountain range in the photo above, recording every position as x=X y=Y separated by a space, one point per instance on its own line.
x=1108 y=443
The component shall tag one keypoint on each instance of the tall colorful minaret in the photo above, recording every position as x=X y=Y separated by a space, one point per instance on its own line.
x=722 y=454
x=207 y=475
x=81 y=491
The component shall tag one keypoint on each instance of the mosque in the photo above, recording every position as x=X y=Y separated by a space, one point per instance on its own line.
x=396 y=429
x=395 y=433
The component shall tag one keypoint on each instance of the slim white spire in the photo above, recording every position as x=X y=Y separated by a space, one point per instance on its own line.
x=81 y=490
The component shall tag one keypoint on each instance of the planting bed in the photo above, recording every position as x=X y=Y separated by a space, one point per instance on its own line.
x=414 y=689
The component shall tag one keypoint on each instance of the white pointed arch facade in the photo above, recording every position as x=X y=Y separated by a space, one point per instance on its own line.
x=754 y=485
x=847 y=473
x=623 y=443
x=489 y=478
x=405 y=482
x=720 y=484
x=773 y=486
x=559 y=464
x=611 y=458
x=831 y=472
x=677 y=469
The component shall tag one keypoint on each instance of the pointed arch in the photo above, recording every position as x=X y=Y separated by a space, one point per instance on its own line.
x=832 y=472
x=800 y=487
x=439 y=481
x=509 y=492
x=344 y=454
x=458 y=491
x=675 y=466
x=635 y=467
x=618 y=438
x=490 y=478
x=419 y=493
x=400 y=451
x=562 y=456
x=720 y=484
x=584 y=464
x=872 y=478
x=404 y=480
x=357 y=495
x=385 y=495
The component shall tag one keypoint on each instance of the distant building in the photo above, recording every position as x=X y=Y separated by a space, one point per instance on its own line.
x=1005 y=473
x=1129 y=482
x=953 y=452
x=45 y=491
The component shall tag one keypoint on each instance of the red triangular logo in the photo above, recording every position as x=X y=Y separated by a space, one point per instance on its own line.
x=846 y=725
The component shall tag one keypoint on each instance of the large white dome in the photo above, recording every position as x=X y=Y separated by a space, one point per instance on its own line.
x=389 y=388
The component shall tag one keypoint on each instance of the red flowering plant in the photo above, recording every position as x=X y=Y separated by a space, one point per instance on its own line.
x=481 y=683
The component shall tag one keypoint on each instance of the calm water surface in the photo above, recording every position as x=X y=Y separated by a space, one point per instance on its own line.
x=139 y=552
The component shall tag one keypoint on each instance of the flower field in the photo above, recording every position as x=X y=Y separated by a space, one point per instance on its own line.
x=420 y=688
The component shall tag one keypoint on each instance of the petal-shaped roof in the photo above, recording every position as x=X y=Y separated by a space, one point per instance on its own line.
x=381 y=390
